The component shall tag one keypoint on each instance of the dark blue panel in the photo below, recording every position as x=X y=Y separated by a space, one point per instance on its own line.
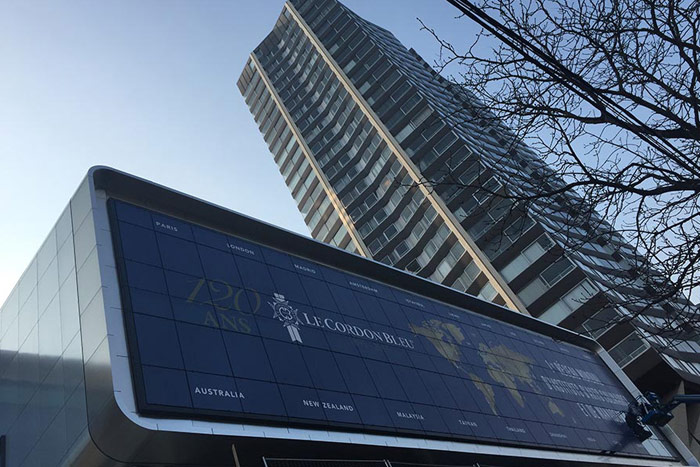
x=179 y=255
x=210 y=238
x=478 y=423
x=139 y=244
x=277 y=258
x=219 y=265
x=194 y=312
x=385 y=380
x=504 y=404
x=460 y=394
x=339 y=407
x=247 y=356
x=306 y=268
x=472 y=356
x=412 y=385
x=403 y=415
x=333 y=276
x=491 y=339
x=500 y=428
x=541 y=408
x=357 y=284
x=338 y=341
x=323 y=369
x=227 y=297
x=432 y=419
x=318 y=293
x=421 y=361
x=132 y=214
x=287 y=363
x=150 y=303
x=302 y=402
x=187 y=286
x=345 y=301
x=456 y=422
x=255 y=276
x=244 y=249
x=203 y=349
x=561 y=435
x=539 y=434
x=214 y=392
x=538 y=354
x=414 y=318
x=166 y=387
x=344 y=344
x=372 y=350
x=372 y=411
x=443 y=365
x=591 y=439
x=172 y=226
x=157 y=341
x=525 y=410
x=451 y=313
x=397 y=355
x=480 y=395
x=145 y=277
x=435 y=385
x=273 y=329
x=312 y=331
x=372 y=309
x=251 y=303
x=349 y=352
x=395 y=315
x=232 y=320
x=413 y=301
x=517 y=428
x=260 y=397
x=287 y=283
x=356 y=375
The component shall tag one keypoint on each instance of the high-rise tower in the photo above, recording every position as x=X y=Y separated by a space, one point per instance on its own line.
x=358 y=123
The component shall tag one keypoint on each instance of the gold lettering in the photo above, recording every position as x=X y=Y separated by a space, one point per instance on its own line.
x=245 y=326
x=194 y=293
x=210 y=320
x=257 y=301
x=227 y=321
x=215 y=290
x=237 y=300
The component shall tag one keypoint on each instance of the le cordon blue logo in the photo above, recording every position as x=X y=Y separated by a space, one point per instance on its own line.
x=291 y=319
x=287 y=314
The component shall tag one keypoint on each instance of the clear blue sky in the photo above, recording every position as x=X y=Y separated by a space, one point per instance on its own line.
x=147 y=87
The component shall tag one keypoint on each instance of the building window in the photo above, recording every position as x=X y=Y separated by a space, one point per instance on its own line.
x=569 y=302
x=628 y=349
x=528 y=256
x=599 y=323
x=488 y=292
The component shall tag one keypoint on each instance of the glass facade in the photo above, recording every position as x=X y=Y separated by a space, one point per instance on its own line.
x=295 y=93
x=42 y=387
x=357 y=123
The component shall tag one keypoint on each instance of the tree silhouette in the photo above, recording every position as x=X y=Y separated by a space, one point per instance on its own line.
x=607 y=93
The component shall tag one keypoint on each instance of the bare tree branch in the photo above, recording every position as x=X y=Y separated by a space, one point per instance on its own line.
x=607 y=94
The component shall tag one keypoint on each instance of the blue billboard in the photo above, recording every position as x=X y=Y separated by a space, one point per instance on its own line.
x=224 y=328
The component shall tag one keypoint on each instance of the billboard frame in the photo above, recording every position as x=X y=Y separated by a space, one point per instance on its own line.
x=109 y=381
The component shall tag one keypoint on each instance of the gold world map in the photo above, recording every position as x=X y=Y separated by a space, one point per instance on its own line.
x=503 y=365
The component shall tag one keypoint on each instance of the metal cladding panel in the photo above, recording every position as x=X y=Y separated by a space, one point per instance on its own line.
x=219 y=327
